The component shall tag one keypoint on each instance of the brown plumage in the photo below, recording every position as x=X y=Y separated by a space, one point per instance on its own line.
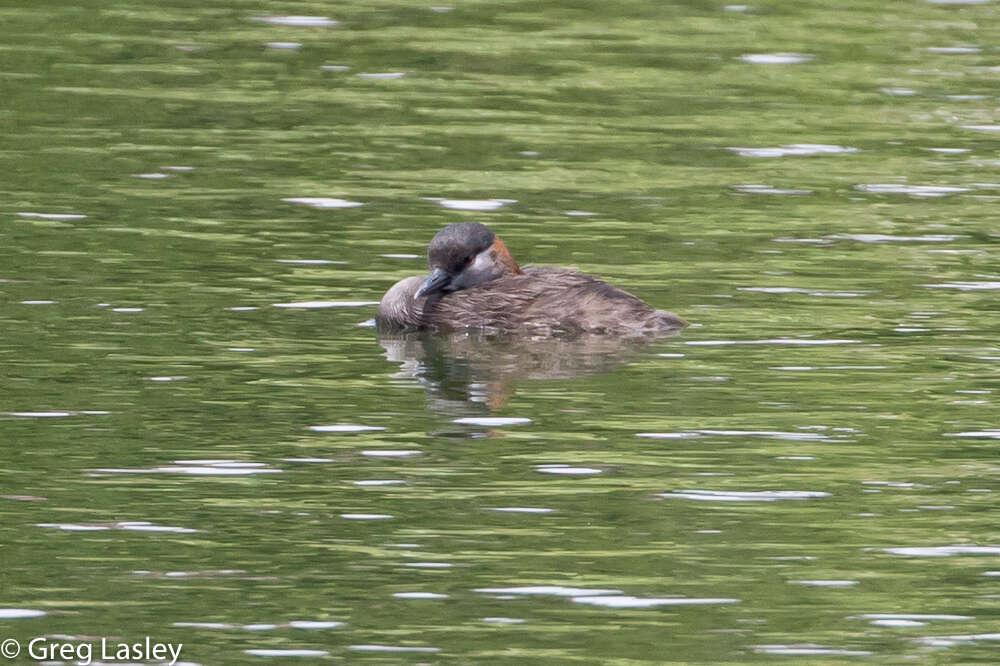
x=475 y=283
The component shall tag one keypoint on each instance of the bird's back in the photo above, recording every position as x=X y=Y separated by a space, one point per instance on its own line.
x=547 y=301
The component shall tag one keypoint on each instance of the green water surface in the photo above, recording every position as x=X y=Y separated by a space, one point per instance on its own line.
x=806 y=475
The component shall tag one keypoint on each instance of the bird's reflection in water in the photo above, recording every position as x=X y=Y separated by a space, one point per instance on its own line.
x=460 y=370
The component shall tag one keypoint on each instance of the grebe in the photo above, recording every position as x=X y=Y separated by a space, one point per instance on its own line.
x=475 y=283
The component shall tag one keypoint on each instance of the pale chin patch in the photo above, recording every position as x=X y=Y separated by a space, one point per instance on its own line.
x=482 y=269
x=484 y=262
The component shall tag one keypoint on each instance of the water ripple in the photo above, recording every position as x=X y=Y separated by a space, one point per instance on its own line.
x=776 y=58
x=912 y=190
x=549 y=590
x=366 y=516
x=793 y=149
x=953 y=50
x=567 y=470
x=188 y=574
x=775 y=341
x=809 y=649
x=767 y=189
x=313 y=305
x=492 y=421
x=323 y=202
x=625 y=601
x=914 y=619
x=133 y=526
x=198 y=468
x=773 y=434
x=799 y=290
x=40 y=415
x=950 y=641
x=294 y=624
x=299 y=21
x=309 y=262
x=345 y=427
x=58 y=414
x=472 y=204
x=315 y=624
x=965 y=286
x=381 y=75
x=898 y=623
x=884 y=238
x=53 y=216
x=391 y=453
x=18 y=613
x=943 y=551
x=984 y=434
x=393 y=648
x=744 y=496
